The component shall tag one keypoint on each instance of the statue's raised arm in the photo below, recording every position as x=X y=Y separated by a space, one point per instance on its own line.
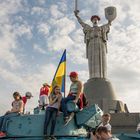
x=76 y=12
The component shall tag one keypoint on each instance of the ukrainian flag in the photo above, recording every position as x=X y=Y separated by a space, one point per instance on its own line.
x=60 y=74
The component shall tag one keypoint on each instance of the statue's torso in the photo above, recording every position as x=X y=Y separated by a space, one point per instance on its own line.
x=95 y=32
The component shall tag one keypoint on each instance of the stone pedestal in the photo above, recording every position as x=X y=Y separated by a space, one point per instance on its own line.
x=100 y=91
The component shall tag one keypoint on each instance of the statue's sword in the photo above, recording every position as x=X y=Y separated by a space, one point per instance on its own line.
x=76 y=5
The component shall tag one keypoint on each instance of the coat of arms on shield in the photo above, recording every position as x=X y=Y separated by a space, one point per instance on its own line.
x=110 y=13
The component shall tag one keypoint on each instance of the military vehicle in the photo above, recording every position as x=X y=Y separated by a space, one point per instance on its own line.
x=30 y=126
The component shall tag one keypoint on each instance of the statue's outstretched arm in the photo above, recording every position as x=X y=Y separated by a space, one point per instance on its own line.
x=79 y=19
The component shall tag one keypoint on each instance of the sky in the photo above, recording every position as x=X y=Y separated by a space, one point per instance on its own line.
x=34 y=34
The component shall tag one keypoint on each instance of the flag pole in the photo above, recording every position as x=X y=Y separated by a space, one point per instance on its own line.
x=65 y=76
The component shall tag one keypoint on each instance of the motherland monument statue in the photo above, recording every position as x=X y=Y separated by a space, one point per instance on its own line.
x=98 y=88
x=96 y=42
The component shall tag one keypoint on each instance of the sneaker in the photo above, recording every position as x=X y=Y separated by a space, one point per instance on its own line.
x=65 y=120
x=53 y=138
x=2 y=134
x=69 y=118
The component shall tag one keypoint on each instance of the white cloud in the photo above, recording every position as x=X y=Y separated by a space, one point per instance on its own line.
x=57 y=43
x=62 y=39
x=38 y=10
x=8 y=8
x=43 y=28
x=10 y=76
x=8 y=40
x=125 y=80
x=33 y=81
x=55 y=12
x=63 y=6
x=8 y=43
x=77 y=54
x=42 y=2
x=39 y=49
x=65 y=26
x=79 y=48
x=23 y=29
x=83 y=74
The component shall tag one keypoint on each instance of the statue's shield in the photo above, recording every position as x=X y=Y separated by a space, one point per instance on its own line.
x=110 y=13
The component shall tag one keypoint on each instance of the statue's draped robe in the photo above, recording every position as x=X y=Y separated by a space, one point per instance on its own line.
x=96 y=49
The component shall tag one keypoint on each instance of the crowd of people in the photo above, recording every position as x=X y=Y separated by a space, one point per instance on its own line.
x=52 y=103
x=49 y=102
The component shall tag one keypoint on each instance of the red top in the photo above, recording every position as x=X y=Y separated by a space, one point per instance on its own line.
x=44 y=91
x=24 y=99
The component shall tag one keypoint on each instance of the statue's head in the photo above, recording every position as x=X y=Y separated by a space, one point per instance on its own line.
x=95 y=19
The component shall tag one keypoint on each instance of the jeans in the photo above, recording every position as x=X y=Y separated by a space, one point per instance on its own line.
x=4 y=119
x=50 y=115
x=64 y=104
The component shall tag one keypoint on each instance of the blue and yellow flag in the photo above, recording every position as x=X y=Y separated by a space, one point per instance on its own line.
x=60 y=74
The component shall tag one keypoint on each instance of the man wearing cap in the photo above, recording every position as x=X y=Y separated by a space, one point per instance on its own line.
x=74 y=94
x=96 y=45
x=27 y=96
x=43 y=97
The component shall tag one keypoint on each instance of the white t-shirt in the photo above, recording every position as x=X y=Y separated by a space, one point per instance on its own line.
x=108 y=126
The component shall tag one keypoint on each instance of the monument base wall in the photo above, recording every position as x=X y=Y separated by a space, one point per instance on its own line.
x=124 y=122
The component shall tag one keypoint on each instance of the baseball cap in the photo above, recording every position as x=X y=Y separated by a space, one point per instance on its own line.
x=73 y=74
x=28 y=94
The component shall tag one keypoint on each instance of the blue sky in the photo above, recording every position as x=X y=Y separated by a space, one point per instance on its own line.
x=34 y=33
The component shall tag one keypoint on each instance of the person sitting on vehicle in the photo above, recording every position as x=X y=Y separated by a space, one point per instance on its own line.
x=74 y=94
x=17 y=108
x=105 y=121
x=27 y=96
x=52 y=110
x=43 y=97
